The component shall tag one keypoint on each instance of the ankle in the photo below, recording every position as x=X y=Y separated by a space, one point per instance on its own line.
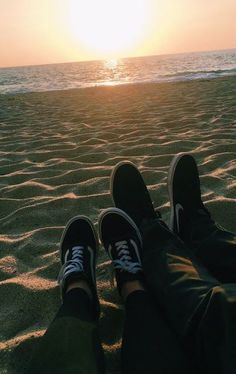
x=80 y=284
x=131 y=286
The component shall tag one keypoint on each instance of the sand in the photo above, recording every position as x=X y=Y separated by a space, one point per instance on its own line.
x=57 y=151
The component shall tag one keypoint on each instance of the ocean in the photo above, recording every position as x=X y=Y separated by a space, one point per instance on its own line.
x=162 y=68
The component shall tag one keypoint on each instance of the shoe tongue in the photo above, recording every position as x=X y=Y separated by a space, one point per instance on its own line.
x=141 y=212
x=148 y=222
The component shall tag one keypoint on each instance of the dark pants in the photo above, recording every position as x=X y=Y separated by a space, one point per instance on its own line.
x=200 y=309
x=199 y=303
x=72 y=345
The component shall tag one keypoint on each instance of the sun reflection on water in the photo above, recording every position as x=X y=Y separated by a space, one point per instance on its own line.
x=111 y=63
x=114 y=70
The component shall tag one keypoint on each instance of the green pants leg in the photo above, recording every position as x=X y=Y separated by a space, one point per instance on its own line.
x=199 y=307
x=217 y=252
x=70 y=346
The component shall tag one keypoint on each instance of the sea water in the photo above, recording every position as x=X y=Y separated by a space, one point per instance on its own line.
x=162 y=68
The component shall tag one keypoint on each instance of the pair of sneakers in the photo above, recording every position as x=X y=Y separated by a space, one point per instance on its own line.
x=120 y=228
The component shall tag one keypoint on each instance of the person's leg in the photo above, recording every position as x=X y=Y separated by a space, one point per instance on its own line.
x=200 y=309
x=72 y=344
x=185 y=289
x=130 y=193
x=191 y=221
x=149 y=345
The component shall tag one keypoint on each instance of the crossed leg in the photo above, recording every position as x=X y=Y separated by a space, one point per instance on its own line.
x=200 y=308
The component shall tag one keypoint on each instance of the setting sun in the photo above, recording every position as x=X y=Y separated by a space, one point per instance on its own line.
x=108 y=26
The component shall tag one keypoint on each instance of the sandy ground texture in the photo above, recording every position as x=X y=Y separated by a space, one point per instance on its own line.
x=57 y=151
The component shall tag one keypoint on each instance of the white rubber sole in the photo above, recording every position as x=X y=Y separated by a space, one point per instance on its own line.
x=121 y=213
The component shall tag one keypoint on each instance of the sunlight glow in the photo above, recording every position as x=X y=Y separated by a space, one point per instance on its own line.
x=108 y=26
x=111 y=63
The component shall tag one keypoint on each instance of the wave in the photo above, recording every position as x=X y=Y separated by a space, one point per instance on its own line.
x=154 y=69
x=186 y=75
x=183 y=76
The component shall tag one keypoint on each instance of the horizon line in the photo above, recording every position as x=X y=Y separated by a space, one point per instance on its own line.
x=118 y=58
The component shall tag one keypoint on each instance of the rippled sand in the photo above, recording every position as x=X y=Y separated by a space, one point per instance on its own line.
x=57 y=151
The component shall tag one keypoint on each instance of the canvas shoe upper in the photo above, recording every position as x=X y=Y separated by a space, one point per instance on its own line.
x=122 y=241
x=190 y=219
x=129 y=193
x=78 y=252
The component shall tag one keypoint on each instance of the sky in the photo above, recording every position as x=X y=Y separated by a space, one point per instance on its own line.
x=34 y=32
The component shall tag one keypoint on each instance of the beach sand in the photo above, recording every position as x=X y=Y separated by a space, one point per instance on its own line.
x=57 y=151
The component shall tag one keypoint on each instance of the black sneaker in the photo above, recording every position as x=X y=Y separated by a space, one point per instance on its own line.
x=129 y=193
x=78 y=252
x=190 y=219
x=122 y=240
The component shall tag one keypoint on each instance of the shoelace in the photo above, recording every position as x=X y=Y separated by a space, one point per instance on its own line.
x=124 y=262
x=75 y=264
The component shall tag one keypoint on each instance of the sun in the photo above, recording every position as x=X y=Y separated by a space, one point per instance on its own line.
x=108 y=26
